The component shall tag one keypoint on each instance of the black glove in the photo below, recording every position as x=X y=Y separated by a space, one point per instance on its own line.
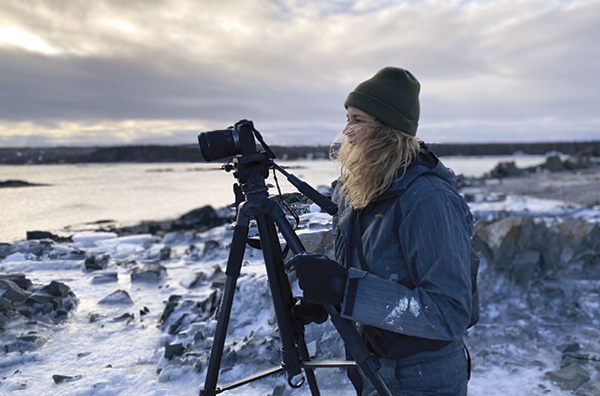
x=307 y=312
x=322 y=279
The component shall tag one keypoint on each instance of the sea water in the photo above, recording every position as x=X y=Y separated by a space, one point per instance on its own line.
x=75 y=197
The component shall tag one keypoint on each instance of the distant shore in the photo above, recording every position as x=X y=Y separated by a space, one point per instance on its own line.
x=191 y=153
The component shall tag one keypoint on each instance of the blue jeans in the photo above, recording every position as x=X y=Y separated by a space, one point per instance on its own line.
x=441 y=373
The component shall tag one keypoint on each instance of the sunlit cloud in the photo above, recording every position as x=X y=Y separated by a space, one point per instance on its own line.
x=13 y=36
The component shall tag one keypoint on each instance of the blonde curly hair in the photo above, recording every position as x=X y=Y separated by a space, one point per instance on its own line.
x=369 y=167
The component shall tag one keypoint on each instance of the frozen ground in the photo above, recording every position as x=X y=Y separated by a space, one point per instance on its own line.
x=119 y=348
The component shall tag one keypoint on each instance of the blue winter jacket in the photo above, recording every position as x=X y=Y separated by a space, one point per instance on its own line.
x=416 y=239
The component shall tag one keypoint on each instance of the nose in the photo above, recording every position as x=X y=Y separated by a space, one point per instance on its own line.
x=346 y=130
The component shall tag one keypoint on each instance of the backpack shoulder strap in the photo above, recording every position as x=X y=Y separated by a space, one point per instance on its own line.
x=357 y=241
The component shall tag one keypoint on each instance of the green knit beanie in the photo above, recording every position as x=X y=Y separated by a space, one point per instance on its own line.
x=391 y=96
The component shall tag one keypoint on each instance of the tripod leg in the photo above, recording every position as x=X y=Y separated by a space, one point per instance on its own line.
x=234 y=264
x=310 y=373
x=293 y=349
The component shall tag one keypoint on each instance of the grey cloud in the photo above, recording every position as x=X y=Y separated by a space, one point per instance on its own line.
x=484 y=67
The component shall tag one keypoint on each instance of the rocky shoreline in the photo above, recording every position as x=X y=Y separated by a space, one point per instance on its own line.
x=538 y=281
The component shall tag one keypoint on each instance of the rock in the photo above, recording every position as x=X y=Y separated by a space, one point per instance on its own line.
x=500 y=238
x=57 y=289
x=170 y=307
x=278 y=390
x=318 y=242
x=6 y=249
x=210 y=246
x=505 y=169
x=12 y=291
x=95 y=317
x=47 y=303
x=563 y=242
x=165 y=253
x=35 y=235
x=591 y=333
x=126 y=316
x=200 y=219
x=5 y=305
x=172 y=350
x=95 y=263
x=106 y=277
x=18 y=279
x=566 y=348
x=199 y=277
x=554 y=164
x=148 y=273
x=218 y=277
x=531 y=235
x=59 y=379
x=524 y=266
x=198 y=365
x=18 y=183
x=117 y=297
x=175 y=326
x=593 y=239
x=31 y=337
x=209 y=304
x=570 y=377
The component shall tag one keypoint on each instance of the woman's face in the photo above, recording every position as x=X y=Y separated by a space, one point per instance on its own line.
x=356 y=126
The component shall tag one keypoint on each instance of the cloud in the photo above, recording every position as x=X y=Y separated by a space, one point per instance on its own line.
x=519 y=70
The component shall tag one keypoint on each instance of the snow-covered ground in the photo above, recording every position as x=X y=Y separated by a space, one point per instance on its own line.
x=117 y=346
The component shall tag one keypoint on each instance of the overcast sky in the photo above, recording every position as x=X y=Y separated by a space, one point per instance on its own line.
x=148 y=71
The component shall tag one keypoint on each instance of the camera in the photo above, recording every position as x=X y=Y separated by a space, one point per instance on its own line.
x=226 y=143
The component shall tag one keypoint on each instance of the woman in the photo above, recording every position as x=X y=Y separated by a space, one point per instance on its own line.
x=402 y=237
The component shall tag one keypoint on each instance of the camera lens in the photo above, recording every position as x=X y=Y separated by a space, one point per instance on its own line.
x=220 y=144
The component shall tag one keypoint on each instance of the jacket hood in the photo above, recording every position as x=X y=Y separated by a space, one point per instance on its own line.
x=426 y=163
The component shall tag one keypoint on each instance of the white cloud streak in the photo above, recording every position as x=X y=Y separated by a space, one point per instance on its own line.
x=160 y=71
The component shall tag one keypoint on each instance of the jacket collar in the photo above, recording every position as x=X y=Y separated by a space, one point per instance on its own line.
x=425 y=163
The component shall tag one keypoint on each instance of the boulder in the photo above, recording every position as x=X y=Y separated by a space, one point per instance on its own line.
x=524 y=266
x=172 y=303
x=172 y=350
x=505 y=169
x=59 y=379
x=12 y=292
x=117 y=297
x=519 y=245
x=554 y=164
x=19 y=279
x=148 y=273
x=165 y=253
x=95 y=263
x=199 y=219
x=57 y=289
x=218 y=277
x=34 y=235
x=106 y=277
x=318 y=242
x=210 y=246
x=500 y=239
x=570 y=377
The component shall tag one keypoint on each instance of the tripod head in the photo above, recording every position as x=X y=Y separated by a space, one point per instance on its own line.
x=250 y=166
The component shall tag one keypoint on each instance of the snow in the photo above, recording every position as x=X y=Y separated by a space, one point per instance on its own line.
x=118 y=348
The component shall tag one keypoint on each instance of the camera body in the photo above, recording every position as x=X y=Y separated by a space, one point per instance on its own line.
x=226 y=143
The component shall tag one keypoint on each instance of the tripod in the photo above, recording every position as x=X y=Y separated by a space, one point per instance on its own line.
x=251 y=170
